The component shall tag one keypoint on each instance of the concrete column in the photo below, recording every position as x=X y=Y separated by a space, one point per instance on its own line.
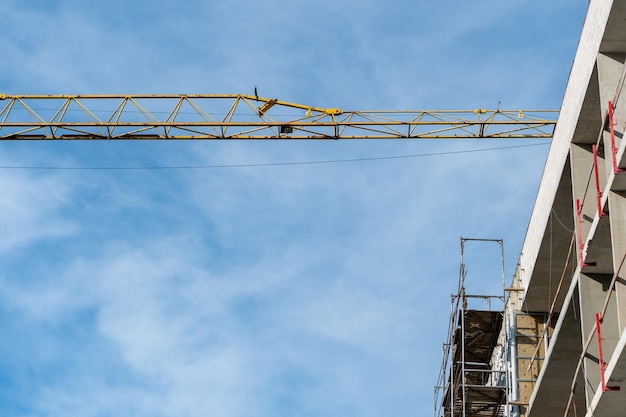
x=617 y=216
x=583 y=189
x=610 y=68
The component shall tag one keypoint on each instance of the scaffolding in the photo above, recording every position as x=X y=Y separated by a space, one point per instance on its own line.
x=474 y=377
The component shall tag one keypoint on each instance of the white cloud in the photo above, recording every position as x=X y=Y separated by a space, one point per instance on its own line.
x=30 y=213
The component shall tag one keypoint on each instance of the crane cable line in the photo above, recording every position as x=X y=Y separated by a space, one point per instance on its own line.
x=261 y=165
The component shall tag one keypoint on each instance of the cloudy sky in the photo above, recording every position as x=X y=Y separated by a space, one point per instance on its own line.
x=316 y=290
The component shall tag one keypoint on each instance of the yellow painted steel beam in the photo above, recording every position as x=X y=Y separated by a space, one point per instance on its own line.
x=238 y=116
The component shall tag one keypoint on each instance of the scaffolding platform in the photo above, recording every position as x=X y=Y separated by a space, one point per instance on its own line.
x=477 y=390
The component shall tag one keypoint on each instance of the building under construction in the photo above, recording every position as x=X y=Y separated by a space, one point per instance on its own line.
x=556 y=344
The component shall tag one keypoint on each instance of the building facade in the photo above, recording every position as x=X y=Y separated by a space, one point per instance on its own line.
x=561 y=345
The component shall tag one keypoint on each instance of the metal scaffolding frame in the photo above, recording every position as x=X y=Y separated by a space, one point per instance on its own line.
x=470 y=383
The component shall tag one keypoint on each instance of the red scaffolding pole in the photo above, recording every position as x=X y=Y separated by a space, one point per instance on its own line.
x=613 y=146
x=579 y=235
x=602 y=364
x=597 y=177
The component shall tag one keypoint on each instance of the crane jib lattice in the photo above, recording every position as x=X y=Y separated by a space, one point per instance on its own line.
x=230 y=116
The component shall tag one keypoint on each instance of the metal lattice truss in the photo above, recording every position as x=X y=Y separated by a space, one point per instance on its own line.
x=229 y=116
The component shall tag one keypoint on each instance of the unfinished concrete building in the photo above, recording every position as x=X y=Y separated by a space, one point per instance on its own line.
x=556 y=348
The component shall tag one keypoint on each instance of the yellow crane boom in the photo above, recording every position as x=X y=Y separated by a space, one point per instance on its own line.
x=238 y=116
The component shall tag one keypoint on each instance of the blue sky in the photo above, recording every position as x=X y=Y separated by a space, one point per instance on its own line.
x=308 y=290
